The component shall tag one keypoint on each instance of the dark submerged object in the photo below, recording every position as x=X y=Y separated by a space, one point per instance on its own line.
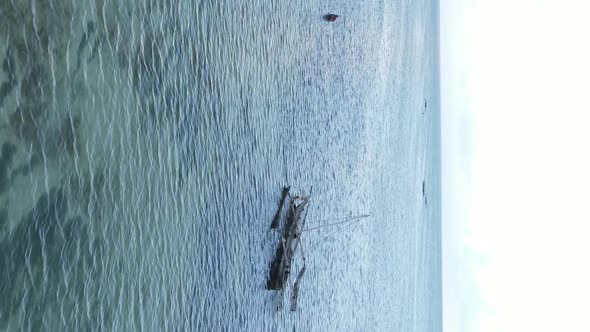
x=330 y=17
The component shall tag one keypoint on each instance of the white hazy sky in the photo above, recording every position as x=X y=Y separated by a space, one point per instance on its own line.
x=515 y=80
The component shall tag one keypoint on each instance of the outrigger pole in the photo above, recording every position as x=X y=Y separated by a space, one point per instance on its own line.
x=295 y=288
x=338 y=223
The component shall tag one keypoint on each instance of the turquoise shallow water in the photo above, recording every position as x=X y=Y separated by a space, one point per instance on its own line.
x=145 y=144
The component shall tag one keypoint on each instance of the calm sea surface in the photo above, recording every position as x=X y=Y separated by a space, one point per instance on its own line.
x=144 y=145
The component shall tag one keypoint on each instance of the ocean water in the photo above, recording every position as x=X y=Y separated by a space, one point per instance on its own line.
x=144 y=145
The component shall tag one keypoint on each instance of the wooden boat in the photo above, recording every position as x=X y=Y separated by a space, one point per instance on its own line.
x=290 y=239
x=290 y=242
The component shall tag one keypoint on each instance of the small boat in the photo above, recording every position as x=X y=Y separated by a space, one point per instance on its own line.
x=290 y=238
x=330 y=17
x=290 y=242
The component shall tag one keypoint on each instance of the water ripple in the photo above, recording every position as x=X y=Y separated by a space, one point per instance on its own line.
x=144 y=145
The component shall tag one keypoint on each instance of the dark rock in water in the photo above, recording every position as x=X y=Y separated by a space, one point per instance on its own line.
x=43 y=221
x=5 y=90
x=95 y=47
x=28 y=166
x=9 y=67
x=8 y=151
x=68 y=134
x=35 y=233
x=30 y=243
x=330 y=17
x=90 y=29
x=3 y=218
x=43 y=246
x=34 y=84
x=75 y=238
x=27 y=121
